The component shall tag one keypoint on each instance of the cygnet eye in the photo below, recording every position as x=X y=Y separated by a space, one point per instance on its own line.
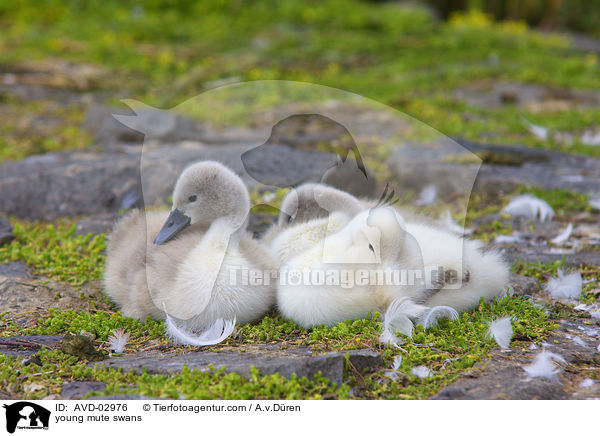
x=290 y=219
x=192 y=198
x=371 y=248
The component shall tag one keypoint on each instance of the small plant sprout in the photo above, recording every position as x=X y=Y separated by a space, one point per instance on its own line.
x=118 y=340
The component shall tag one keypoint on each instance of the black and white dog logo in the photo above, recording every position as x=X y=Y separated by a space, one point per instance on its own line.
x=26 y=415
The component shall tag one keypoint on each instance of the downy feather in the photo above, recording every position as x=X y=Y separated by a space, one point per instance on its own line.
x=421 y=371
x=563 y=236
x=215 y=334
x=118 y=340
x=396 y=320
x=501 y=330
x=529 y=206
x=565 y=286
x=431 y=316
x=545 y=365
x=427 y=196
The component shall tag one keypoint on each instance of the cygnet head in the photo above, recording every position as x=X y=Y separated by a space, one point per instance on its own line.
x=376 y=235
x=313 y=200
x=205 y=191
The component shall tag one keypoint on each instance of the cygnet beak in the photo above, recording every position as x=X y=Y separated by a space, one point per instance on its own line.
x=176 y=222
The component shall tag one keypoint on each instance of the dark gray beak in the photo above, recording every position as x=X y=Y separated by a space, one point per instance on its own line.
x=176 y=222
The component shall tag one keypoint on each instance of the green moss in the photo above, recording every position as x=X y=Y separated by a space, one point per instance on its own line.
x=53 y=250
x=58 y=367
x=448 y=350
x=100 y=323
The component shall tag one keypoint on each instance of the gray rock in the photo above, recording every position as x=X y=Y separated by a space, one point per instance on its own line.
x=26 y=346
x=267 y=359
x=498 y=94
x=96 y=224
x=85 y=183
x=453 y=170
x=523 y=285
x=15 y=269
x=79 y=389
x=145 y=125
x=6 y=231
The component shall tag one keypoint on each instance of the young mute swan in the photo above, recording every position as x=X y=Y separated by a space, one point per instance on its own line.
x=343 y=275
x=308 y=214
x=459 y=271
x=186 y=264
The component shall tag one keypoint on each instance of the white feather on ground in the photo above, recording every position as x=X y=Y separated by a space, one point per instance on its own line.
x=529 y=206
x=562 y=237
x=447 y=222
x=509 y=239
x=118 y=340
x=501 y=330
x=595 y=203
x=395 y=365
x=590 y=137
x=431 y=316
x=577 y=340
x=565 y=286
x=427 y=196
x=215 y=334
x=545 y=365
x=421 y=371
x=588 y=382
x=540 y=132
x=396 y=320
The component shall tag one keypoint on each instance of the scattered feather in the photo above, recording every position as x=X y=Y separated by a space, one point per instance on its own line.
x=509 y=239
x=595 y=203
x=540 y=132
x=565 y=286
x=581 y=306
x=529 y=206
x=563 y=236
x=590 y=137
x=431 y=316
x=545 y=365
x=118 y=340
x=533 y=347
x=421 y=371
x=215 y=334
x=447 y=221
x=427 y=196
x=395 y=365
x=577 y=340
x=595 y=314
x=588 y=382
x=598 y=348
x=396 y=320
x=501 y=330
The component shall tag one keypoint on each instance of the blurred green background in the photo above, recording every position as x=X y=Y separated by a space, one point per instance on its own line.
x=414 y=56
